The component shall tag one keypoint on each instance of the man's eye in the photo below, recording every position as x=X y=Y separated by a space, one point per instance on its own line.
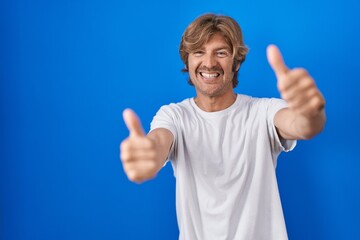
x=222 y=54
x=198 y=53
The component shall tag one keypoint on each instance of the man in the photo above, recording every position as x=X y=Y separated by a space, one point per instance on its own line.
x=224 y=146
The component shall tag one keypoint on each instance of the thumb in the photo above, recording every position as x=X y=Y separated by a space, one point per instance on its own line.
x=133 y=123
x=276 y=61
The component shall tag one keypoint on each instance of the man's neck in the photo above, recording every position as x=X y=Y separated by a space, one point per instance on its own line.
x=215 y=103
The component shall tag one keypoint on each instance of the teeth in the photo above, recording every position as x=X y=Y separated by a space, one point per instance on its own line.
x=210 y=75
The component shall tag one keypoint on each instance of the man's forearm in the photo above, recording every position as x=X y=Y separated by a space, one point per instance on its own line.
x=292 y=125
x=309 y=127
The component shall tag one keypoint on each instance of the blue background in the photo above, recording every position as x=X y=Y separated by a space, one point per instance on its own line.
x=69 y=68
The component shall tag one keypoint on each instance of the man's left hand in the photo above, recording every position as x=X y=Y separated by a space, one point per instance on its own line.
x=296 y=86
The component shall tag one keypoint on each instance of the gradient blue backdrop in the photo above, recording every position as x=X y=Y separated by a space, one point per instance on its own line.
x=69 y=68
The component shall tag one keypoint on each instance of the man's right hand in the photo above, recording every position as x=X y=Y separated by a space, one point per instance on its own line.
x=138 y=151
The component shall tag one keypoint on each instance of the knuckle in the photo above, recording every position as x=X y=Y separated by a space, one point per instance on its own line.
x=316 y=103
x=285 y=96
x=309 y=82
x=281 y=86
x=124 y=145
x=139 y=173
x=124 y=156
x=322 y=102
x=134 y=176
x=152 y=166
x=301 y=71
x=149 y=143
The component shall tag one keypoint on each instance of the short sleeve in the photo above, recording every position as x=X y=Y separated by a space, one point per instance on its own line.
x=278 y=144
x=164 y=118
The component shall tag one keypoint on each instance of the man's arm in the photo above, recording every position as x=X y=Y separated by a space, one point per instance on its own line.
x=305 y=115
x=291 y=125
x=143 y=155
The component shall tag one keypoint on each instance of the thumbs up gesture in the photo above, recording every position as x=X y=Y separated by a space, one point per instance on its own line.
x=296 y=86
x=138 y=151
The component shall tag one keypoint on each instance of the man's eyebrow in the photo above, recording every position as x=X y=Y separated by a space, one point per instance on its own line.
x=215 y=49
x=223 y=48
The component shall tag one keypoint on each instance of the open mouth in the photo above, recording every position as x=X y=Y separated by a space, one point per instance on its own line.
x=209 y=75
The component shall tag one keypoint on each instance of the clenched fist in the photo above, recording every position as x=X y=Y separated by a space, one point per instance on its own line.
x=138 y=152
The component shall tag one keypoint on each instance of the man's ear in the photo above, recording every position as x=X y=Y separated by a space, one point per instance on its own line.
x=238 y=66
x=185 y=69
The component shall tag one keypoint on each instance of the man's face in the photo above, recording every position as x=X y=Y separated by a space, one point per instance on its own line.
x=211 y=67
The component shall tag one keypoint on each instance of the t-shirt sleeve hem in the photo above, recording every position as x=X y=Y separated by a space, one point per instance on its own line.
x=173 y=132
x=284 y=145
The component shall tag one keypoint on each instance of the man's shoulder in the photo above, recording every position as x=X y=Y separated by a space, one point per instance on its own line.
x=247 y=99
x=174 y=107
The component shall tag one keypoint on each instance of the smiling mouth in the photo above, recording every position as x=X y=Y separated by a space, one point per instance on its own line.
x=209 y=75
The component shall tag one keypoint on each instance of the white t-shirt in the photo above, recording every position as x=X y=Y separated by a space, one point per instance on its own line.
x=224 y=163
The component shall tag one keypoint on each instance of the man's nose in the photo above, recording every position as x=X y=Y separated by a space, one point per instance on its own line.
x=209 y=61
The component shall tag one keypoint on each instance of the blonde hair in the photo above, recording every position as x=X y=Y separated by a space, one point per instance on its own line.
x=201 y=29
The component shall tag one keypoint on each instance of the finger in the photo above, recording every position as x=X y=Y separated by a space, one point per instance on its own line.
x=276 y=61
x=135 y=144
x=297 y=76
x=133 y=123
x=296 y=87
x=299 y=92
x=140 y=171
x=132 y=148
x=302 y=99
x=136 y=156
x=313 y=105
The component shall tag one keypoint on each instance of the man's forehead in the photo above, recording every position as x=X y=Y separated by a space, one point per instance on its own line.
x=217 y=41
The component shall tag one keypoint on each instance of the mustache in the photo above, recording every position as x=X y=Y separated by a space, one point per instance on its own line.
x=212 y=69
